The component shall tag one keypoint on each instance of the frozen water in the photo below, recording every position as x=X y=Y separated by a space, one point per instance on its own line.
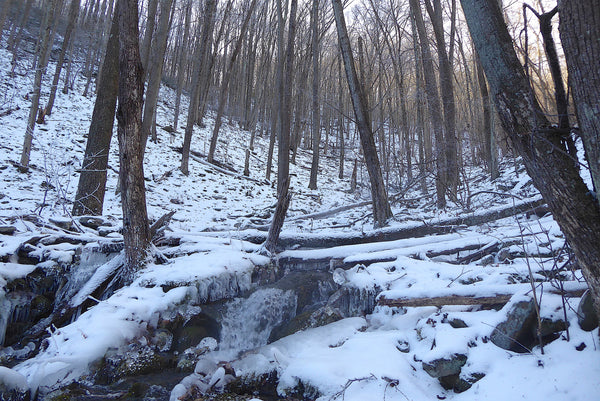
x=247 y=323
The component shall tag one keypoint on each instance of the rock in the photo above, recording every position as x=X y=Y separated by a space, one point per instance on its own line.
x=91 y=222
x=306 y=320
x=445 y=366
x=518 y=332
x=458 y=383
x=189 y=360
x=586 y=315
x=487 y=260
x=503 y=255
x=7 y=230
x=130 y=361
x=194 y=330
x=458 y=323
x=66 y=224
x=162 y=339
x=515 y=333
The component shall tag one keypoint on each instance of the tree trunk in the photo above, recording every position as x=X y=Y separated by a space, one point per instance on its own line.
x=6 y=8
x=579 y=32
x=181 y=64
x=225 y=83
x=381 y=207
x=155 y=71
x=447 y=92
x=433 y=103
x=488 y=130
x=44 y=53
x=136 y=231
x=200 y=56
x=283 y=135
x=552 y=171
x=92 y=180
x=148 y=34
x=316 y=112
x=73 y=12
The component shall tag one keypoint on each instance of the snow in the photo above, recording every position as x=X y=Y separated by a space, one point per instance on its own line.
x=357 y=358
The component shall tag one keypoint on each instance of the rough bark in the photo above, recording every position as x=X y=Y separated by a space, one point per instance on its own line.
x=552 y=171
x=92 y=180
x=136 y=231
x=580 y=33
x=381 y=207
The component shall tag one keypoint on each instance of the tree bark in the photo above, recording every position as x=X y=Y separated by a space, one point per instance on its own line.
x=92 y=180
x=552 y=171
x=381 y=207
x=136 y=231
x=148 y=34
x=181 y=62
x=579 y=33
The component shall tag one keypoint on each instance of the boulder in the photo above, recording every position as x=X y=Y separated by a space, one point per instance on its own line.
x=133 y=360
x=586 y=315
x=7 y=230
x=91 y=221
x=518 y=332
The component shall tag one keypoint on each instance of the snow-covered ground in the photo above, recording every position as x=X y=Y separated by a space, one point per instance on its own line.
x=374 y=357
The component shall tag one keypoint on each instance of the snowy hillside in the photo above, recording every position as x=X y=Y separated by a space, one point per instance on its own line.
x=370 y=345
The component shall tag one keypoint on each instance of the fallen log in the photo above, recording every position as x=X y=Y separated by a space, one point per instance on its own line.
x=499 y=298
x=437 y=227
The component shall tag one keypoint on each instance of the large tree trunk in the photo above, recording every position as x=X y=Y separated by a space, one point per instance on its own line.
x=381 y=207
x=552 y=171
x=136 y=231
x=92 y=180
x=579 y=32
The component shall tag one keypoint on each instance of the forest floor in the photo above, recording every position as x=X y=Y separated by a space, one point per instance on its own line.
x=374 y=357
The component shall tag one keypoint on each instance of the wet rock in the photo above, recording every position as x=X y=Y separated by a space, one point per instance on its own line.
x=131 y=361
x=306 y=320
x=7 y=230
x=189 y=360
x=312 y=289
x=194 y=330
x=586 y=315
x=162 y=339
x=264 y=385
x=445 y=366
x=91 y=222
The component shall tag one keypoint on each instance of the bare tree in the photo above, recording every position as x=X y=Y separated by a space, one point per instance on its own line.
x=73 y=13
x=381 y=207
x=44 y=54
x=316 y=112
x=136 y=231
x=541 y=145
x=89 y=198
